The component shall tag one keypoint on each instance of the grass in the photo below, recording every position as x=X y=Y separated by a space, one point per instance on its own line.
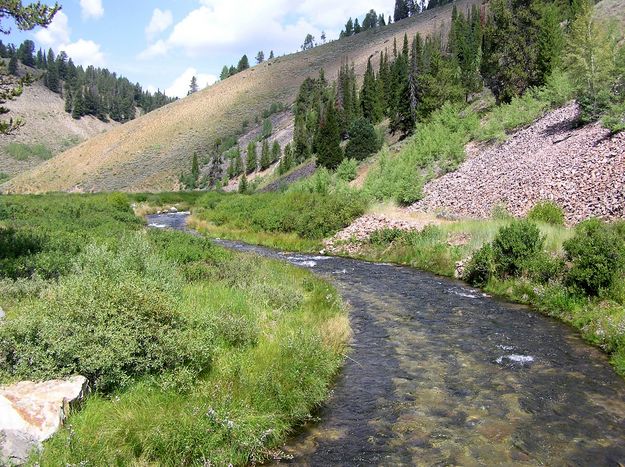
x=4 y=177
x=261 y=340
x=24 y=152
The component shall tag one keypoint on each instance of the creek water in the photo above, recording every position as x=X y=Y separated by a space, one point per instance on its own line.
x=440 y=374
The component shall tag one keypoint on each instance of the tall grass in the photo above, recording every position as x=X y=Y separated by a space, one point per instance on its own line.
x=23 y=152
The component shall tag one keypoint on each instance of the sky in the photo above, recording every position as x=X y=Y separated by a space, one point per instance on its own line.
x=163 y=43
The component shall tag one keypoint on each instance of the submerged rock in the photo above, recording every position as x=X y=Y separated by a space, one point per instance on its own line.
x=33 y=412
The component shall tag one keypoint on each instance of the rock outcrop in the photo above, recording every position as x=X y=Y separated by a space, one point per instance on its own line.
x=33 y=412
x=581 y=169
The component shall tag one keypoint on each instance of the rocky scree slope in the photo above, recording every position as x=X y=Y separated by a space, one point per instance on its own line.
x=580 y=169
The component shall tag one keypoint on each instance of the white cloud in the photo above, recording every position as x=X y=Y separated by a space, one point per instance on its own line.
x=91 y=8
x=84 y=52
x=224 y=27
x=57 y=33
x=154 y=50
x=160 y=21
x=180 y=86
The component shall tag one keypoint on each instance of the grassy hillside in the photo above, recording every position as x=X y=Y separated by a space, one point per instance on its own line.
x=150 y=152
x=48 y=130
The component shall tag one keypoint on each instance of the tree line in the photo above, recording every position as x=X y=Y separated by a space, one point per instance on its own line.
x=87 y=91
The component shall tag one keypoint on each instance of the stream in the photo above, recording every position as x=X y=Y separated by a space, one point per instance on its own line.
x=440 y=374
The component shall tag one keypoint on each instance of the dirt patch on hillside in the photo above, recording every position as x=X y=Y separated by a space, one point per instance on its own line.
x=47 y=124
x=581 y=169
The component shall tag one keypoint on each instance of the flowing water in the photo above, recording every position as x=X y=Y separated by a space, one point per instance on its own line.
x=440 y=374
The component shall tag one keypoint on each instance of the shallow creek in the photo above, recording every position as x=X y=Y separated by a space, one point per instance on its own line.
x=440 y=374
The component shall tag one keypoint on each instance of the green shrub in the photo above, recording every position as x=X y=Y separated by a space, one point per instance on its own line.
x=519 y=112
x=113 y=320
x=481 y=267
x=547 y=212
x=347 y=170
x=597 y=255
x=385 y=236
x=4 y=177
x=515 y=245
x=23 y=152
x=363 y=140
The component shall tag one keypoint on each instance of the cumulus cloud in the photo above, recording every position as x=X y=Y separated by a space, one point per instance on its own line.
x=58 y=37
x=160 y=21
x=56 y=33
x=84 y=52
x=260 y=25
x=91 y=8
x=180 y=86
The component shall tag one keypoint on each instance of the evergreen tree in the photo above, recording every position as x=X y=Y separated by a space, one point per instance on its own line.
x=349 y=28
x=251 y=158
x=225 y=73
x=78 y=107
x=4 y=53
x=329 y=152
x=286 y=163
x=244 y=64
x=195 y=169
x=267 y=128
x=323 y=37
x=265 y=156
x=401 y=10
x=550 y=40
x=370 y=21
x=412 y=8
x=363 y=140
x=52 y=77
x=260 y=57
x=370 y=96
x=309 y=42
x=381 y=21
x=232 y=71
x=69 y=98
x=13 y=65
x=276 y=151
x=243 y=187
x=357 y=28
x=26 y=53
x=193 y=87
x=238 y=162
x=271 y=56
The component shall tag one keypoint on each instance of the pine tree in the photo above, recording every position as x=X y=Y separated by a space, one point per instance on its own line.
x=265 y=156
x=329 y=152
x=401 y=10
x=78 y=107
x=260 y=57
x=26 y=53
x=357 y=28
x=193 y=87
x=363 y=140
x=323 y=37
x=381 y=21
x=252 y=161
x=370 y=96
x=195 y=169
x=550 y=40
x=225 y=73
x=412 y=8
x=13 y=65
x=276 y=151
x=69 y=98
x=244 y=64
x=271 y=56
x=309 y=42
x=238 y=162
x=267 y=128
x=243 y=184
x=349 y=27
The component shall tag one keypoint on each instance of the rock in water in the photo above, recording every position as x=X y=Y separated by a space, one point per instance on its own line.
x=33 y=412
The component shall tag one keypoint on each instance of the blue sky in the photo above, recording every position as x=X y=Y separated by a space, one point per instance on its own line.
x=161 y=44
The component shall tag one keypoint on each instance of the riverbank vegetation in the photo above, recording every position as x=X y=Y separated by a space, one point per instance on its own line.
x=230 y=351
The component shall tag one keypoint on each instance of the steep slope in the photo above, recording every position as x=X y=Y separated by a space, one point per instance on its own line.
x=581 y=169
x=47 y=125
x=148 y=153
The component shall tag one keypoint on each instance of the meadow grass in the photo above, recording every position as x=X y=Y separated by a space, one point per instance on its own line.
x=202 y=355
x=23 y=152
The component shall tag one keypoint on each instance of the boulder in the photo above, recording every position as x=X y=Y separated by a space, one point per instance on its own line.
x=33 y=412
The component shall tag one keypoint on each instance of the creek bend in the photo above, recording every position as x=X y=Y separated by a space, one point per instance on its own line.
x=440 y=374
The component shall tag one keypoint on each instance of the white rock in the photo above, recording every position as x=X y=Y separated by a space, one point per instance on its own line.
x=33 y=412
x=173 y=210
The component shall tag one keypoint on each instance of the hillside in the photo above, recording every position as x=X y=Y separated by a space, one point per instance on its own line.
x=150 y=152
x=48 y=128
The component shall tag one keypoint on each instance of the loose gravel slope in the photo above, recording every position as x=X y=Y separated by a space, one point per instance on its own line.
x=581 y=169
